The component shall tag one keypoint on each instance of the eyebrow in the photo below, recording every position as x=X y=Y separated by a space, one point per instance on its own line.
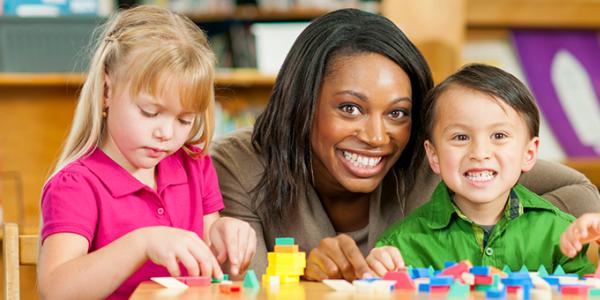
x=462 y=125
x=362 y=97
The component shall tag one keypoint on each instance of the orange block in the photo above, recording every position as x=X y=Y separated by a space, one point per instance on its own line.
x=286 y=248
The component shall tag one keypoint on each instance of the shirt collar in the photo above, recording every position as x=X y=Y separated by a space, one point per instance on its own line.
x=119 y=182
x=443 y=208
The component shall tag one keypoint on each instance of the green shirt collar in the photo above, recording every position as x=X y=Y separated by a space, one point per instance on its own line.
x=443 y=208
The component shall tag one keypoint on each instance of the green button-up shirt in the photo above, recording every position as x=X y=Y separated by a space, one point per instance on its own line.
x=528 y=233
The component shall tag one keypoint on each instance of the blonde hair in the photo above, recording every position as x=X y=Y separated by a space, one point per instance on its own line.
x=144 y=46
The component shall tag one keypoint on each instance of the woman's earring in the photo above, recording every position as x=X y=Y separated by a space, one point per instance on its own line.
x=105 y=113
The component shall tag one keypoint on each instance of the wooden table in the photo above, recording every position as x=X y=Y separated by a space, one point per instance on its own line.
x=302 y=291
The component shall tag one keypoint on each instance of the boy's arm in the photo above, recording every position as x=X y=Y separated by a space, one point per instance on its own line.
x=564 y=187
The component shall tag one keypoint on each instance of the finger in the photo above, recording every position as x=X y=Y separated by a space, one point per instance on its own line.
x=319 y=260
x=218 y=245
x=204 y=257
x=249 y=251
x=172 y=266
x=384 y=258
x=190 y=263
x=314 y=273
x=397 y=258
x=377 y=266
x=232 y=238
x=215 y=268
x=566 y=246
x=358 y=264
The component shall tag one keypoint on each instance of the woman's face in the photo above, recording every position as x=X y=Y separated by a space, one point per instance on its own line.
x=362 y=122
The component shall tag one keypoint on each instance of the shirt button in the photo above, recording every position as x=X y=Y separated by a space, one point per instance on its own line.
x=489 y=251
x=160 y=211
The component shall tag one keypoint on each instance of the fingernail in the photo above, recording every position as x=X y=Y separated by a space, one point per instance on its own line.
x=367 y=275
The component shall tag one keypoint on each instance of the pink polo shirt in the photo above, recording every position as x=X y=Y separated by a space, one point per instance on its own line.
x=99 y=200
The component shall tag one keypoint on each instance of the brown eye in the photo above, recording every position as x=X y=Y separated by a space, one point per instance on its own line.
x=350 y=109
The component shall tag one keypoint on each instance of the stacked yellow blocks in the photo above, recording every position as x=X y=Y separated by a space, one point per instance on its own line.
x=286 y=264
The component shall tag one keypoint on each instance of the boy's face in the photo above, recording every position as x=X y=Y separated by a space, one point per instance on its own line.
x=479 y=147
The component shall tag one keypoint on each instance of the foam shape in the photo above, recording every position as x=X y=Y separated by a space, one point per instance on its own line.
x=495 y=294
x=286 y=248
x=457 y=270
x=339 y=285
x=574 y=289
x=383 y=286
x=468 y=278
x=559 y=271
x=441 y=280
x=541 y=294
x=250 y=280
x=458 y=290
x=480 y=270
x=542 y=271
x=169 y=282
x=363 y=286
x=284 y=241
x=524 y=269
x=506 y=269
x=195 y=280
x=540 y=283
x=403 y=280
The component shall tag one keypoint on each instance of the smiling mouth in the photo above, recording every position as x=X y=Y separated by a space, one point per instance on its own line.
x=480 y=176
x=361 y=161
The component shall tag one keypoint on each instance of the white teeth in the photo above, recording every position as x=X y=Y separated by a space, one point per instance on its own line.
x=361 y=161
x=480 y=176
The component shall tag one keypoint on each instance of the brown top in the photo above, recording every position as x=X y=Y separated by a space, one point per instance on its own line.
x=239 y=168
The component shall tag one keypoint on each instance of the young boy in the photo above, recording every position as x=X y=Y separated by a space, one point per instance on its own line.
x=481 y=128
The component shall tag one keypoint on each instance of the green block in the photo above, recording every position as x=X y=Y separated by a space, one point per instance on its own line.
x=559 y=271
x=496 y=281
x=431 y=271
x=215 y=280
x=542 y=272
x=250 y=280
x=458 y=290
x=524 y=269
x=225 y=277
x=594 y=292
x=506 y=269
x=283 y=241
x=482 y=287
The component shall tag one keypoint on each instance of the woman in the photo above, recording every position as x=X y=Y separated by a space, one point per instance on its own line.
x=333 y=160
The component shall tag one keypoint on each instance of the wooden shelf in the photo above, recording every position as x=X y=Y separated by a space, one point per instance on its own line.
x=563 y=14
x=233 y=78
x=251 y=13
x=588 y=166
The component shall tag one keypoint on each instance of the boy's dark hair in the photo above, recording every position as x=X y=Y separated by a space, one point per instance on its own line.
x=282 y=132
x=489 y=80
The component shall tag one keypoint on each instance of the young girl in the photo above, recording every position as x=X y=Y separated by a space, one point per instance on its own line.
x=131 y=198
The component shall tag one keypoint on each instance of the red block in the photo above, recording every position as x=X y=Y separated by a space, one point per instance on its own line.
x=195 y=280
x=574 y=289
x=484 y=279
x=403 y=280
x=439 y=288
x=512 y=289
x=457 y=269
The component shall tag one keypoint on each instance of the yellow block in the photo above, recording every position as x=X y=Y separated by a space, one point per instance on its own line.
x=286 y=248
x=284 y=271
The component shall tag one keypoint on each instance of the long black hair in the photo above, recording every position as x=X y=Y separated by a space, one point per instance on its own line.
x=282 y=132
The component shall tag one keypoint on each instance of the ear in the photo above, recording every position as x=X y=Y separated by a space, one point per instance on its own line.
x=432 y=157
x=531 y=153
x=107 y=90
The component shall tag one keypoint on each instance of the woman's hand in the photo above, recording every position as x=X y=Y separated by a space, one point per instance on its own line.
x=583 y=230
x=384 y=259
x=335 y=258
x=235 y=240
x=168 y=246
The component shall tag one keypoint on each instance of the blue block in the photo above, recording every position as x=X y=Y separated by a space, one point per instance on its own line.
x=420 y=273
x=495 y=294
x=480 y=270
x=552 y=280
x=371 y=279
x=441 y=280
x=424 y=288
x=449 y=264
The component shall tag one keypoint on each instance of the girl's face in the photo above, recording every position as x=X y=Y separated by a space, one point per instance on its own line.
x=362 y=122
x=142 y=129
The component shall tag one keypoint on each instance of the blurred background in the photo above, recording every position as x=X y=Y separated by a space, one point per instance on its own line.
x=552 y=45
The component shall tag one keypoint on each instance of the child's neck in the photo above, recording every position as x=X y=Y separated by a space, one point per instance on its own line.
x=482 y=213
x=146 y=176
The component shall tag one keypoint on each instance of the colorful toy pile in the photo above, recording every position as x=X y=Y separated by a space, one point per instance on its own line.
x=286 y=264
x=457 y=281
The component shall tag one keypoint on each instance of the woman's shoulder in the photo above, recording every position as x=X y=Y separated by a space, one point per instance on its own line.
x=236 y=152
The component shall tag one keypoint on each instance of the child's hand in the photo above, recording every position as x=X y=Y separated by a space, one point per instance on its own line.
x=234 y=239
x=384 y=259
x=168 y=246
x=583 y=230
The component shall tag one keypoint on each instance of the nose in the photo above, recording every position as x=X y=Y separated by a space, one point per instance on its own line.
x=480 y=150
x=374 y=132
x=164 y=131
